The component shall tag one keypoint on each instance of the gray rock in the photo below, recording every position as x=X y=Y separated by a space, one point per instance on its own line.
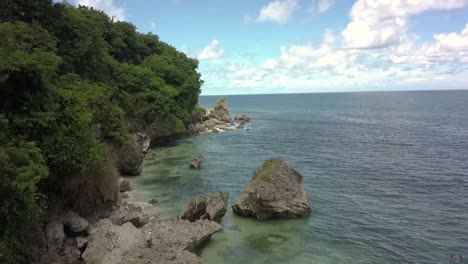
x=130 y=159
x=196 y=162
x=81 y=242
x=129 y=213
x=108 y=242
x=195 y=209
x=55 y=235
x=217 y=206
x=183 y=234
x=221 y=111
x=242 y=118
x=75 y=222
x=125 y=186
x=275 y=191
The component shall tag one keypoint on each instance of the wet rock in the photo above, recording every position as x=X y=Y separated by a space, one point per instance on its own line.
x=153 y=201
x=74 y=222
x=195 y=209
x=217 y=206
x=108 y=242
x=125 y=186
x=196 y=163
x=242 y=118
x=275 y=191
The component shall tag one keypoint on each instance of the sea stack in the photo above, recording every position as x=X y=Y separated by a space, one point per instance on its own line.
x=275 y=191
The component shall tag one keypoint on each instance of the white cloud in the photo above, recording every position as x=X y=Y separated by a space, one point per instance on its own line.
x=278 y=11
x=107 y=6
x=324 y=5
x=378 y=24
x=211 y=51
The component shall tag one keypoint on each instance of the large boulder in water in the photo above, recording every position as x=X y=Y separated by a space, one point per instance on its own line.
x=196 y=162
x=275 y=191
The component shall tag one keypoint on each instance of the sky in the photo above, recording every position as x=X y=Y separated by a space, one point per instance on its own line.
x=304 y=46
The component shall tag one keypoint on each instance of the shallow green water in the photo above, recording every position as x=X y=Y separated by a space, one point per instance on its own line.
x=387 y=177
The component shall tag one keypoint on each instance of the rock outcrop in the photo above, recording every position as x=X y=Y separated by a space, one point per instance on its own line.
x=195 y=209
x=129 y=213
x=217 y=206
x=200 y=208
x=242 y=118
x=196 y=162
x=108 y=242
x=172 y=241
x=275 y=191
x=74 y=222
x=125 y=185
x=221 y=111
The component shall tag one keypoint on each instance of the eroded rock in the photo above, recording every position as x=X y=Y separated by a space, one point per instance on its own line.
x=196 y=162
x=125 y=185
x=108 y=242
x=275 y=191
x=217 y=206
x=195 y=209
x=55 y=235
x=74 y=222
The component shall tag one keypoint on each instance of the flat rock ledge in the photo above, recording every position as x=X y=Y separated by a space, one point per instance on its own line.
x=275 y=191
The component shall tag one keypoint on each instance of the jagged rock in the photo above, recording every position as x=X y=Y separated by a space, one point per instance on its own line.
x=108 y=242
x=125 y=186
x=196 y=162
x=131 y=214
x=173 y=241
x=81 y=242
x=142 y=140
x=275 y=191
x=217 y=206
x=200 y=208
x=242 y=118
x=74 y=222
x=195 y=209
x=183 y=234
x=55 y=235
x=221 y=111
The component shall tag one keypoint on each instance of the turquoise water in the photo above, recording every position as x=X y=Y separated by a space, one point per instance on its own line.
x=386 y=173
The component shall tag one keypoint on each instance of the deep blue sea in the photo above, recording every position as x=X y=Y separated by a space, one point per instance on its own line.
x=386 y=174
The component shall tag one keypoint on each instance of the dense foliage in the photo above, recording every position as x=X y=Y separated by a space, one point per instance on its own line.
x=71 y=79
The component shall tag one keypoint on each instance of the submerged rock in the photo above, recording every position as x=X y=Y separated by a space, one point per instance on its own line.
x=196 y=162
x=275 y=191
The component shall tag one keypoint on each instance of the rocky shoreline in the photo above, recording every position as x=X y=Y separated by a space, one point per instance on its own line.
x=125 y=234
x=122 y=232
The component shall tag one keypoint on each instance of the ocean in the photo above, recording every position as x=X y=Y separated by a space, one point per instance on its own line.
x=386 y=174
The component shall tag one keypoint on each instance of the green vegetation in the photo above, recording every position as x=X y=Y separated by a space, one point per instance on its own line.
x=265 y=172
x=71 y=79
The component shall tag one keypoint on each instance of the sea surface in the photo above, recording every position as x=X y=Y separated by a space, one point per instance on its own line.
x=386 y=174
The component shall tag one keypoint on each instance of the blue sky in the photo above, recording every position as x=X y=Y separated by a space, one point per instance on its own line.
x=287 y=46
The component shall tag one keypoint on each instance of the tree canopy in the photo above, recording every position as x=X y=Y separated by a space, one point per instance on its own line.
x=71 y=79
